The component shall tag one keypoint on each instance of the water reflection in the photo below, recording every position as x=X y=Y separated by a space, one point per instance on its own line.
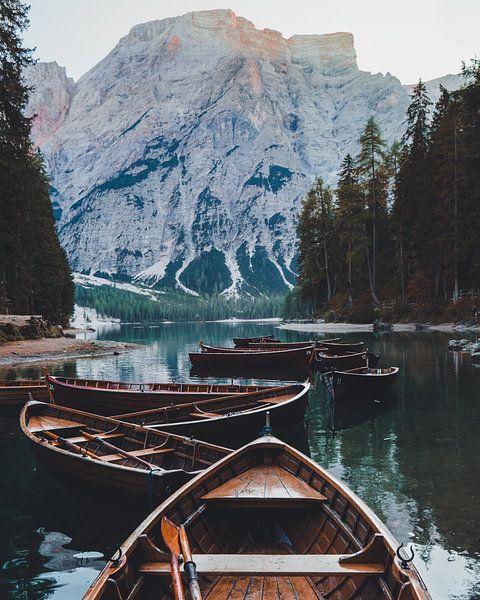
x=415 y=461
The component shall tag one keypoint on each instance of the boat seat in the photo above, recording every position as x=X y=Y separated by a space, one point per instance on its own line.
x=81 y=438
x=274 y=399
x=292 y=565
x=41 y=422
x=142 y=452
x=264 y=484
x=206 y=415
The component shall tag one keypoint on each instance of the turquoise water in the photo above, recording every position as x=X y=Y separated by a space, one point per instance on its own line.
x=415 y=460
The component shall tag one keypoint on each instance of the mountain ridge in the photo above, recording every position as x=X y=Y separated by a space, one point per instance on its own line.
x=181 y=158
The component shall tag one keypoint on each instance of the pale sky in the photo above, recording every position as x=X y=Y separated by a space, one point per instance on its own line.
x=409 y=38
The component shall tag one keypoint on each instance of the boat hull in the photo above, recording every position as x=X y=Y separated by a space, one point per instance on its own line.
x=114 y=401
x=373 y=386
x=235 y=359
x=17 y=395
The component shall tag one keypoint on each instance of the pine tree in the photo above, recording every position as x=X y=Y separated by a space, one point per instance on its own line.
x=350 y=221
x=316 y=242
x=34 y=272
x=371 y=167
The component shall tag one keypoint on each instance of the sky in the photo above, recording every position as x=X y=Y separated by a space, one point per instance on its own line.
x=409 y=38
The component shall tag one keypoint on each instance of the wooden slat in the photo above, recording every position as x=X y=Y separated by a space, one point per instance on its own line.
x=292 y=565
x=81 y=438
x=266 y=483
x=40 y=423
x=142 y=452
x=206 y=415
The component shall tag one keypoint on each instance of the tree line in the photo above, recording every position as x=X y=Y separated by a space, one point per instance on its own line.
x=34 y=272
x=401 y=227
x=174 y=306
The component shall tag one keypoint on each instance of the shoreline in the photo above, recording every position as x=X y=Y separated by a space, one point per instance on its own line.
x=24 y=352
x=368 y=327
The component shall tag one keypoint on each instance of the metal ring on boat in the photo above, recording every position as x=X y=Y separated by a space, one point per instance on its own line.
x=115 y=560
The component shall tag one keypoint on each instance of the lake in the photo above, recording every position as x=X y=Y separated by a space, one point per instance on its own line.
x=415 y=460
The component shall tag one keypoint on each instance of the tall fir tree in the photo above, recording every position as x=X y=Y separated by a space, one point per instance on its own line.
x=371 y=168
x=351 y=218
x=34 y=272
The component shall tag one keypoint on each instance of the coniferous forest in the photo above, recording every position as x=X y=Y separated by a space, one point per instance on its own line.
x=399 y=236
x=34 y=273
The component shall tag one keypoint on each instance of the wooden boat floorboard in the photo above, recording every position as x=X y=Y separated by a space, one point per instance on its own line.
x=267 y=483
x=39 y=423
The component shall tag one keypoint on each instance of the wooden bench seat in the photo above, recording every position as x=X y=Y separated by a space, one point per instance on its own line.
x=81 y=438
x=303 y=565
x=206 y=415
x=142 y=452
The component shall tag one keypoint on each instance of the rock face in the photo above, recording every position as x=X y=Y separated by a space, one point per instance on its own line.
x=181 y=158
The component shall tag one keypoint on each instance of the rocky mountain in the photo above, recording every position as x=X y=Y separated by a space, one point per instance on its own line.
x=181 y=158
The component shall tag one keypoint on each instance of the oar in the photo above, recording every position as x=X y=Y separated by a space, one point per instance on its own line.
x=116 y=450
x=189 y=566
x=70 y=445
x=170 y=536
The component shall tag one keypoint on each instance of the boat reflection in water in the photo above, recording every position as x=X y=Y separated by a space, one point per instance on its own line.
x=341 y=415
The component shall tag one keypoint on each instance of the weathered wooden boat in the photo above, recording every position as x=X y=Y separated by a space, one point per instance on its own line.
x=276 y=345
x=243 y=342
x=264 y=523
x=232 y=420
x=259 y=357
x=341 y=347
x=16 y=392
x=363 y=383
x=104 y=455
x=112 y=397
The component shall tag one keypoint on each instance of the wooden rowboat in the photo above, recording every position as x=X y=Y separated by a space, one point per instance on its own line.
x=266 y=523
x=111 y=397
x=259 y=357
x=363 y=383
x=107 y=456
x=243 y=342
x=16 y=392
x=340 y=347
x=270 y=345
x=231 y=420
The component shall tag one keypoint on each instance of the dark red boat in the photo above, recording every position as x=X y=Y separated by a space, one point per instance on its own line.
x=363 y=383
x=112 y=397
x=340 y=347
x=231 y=420
x=229 y=357
x=271 y=345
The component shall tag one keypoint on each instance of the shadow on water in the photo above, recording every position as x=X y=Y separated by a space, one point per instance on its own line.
x=415 y=461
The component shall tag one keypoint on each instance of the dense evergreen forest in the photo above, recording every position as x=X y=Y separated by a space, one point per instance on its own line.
x=174 y=306
x=34 y=273
x=399 y=236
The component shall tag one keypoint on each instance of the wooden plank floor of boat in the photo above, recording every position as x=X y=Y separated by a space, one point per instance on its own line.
x=264 y=588
x=41 y=422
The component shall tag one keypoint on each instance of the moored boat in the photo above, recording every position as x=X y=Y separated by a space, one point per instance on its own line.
x=264 y=522
x=363 y=383
x=16 y=392
x=248 y=358
x=104 y=455
x=231 y=420
x=112 y=397
x=270 y=345
x=341 y=347
x=340 y=362
x=243 y=342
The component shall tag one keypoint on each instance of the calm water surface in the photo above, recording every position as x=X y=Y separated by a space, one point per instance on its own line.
x=415 y=460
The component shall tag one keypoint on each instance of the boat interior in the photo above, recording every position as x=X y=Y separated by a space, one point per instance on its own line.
x=217 y=407
x=265 y=526
x=61 y=427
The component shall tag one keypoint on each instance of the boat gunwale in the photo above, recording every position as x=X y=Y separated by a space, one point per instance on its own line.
x=268 y=407
x=350 y=372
